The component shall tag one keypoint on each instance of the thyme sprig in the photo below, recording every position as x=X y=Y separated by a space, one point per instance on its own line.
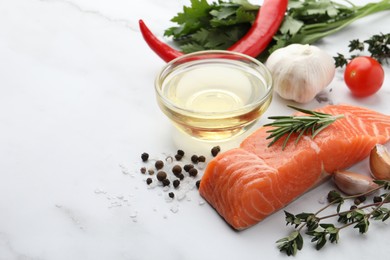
x=378 y=46
x=312 y=123
x=358 y=217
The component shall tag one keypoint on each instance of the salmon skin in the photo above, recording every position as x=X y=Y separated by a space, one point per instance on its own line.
x=248 y=183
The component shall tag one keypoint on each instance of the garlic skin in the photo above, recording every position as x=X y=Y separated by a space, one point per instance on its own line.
x=352 y=183
x=300 y=71
x=380 y=162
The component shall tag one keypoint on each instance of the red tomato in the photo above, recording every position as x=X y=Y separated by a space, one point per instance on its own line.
x=364 y=76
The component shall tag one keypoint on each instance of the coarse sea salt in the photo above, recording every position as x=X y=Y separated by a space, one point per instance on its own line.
x=174 y=208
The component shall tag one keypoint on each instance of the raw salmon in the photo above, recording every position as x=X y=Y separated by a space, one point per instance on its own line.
x=248 y=183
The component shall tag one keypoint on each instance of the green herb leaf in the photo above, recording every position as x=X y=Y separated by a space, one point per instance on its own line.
x=291 y=244
x=321 y=233
x=378 y=46
x=311 y=124
x=306 y=21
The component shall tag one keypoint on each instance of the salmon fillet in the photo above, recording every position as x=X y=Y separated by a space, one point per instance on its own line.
x=248 y=183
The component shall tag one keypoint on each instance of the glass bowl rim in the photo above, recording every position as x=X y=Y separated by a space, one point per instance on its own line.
x=267 y=78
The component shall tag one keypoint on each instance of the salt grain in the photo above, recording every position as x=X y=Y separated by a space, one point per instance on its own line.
x=201 y=202
x=99 y=191
x=180 y=195
x=133 y=214
x=323 y=200
x=174 y=208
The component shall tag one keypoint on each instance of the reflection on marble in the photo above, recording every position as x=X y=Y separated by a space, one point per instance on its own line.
x=77 y=108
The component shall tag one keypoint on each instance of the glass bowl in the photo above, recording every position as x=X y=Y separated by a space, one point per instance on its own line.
x=214 y=95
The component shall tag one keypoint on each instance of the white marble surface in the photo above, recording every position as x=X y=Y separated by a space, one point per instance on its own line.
x=77 y=109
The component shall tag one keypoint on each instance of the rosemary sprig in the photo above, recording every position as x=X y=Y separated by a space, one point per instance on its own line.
x=311 y=124
x=357 y=216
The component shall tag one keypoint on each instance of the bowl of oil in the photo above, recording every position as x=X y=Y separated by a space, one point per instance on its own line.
x=214 y=95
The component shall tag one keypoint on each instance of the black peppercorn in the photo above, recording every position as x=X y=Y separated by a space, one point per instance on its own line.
x=159 y=164
x=161 y=175
x=194 y=158
x=180 y=176
x=171 y=195
x=144 y=157
x=377 y=199
x=151 y=171
x=176 y=170
x=215 y=150
x=149 y=181
x=198 y=183
x=176 y=183
x=359 y=200
x=166 y=182
x=178 y=157
x=187 y=167
x=201 y=158
x=193 y=172
x=143 y=170
x=353 y=207
x=180 y=152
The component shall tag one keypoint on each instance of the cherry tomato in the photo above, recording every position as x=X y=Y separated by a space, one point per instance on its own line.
x=364 y=76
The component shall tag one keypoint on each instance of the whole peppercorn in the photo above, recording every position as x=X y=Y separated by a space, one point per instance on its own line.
x=144 y=157
x=176 y=183
x=377 y=199
x=359 y=200
x=149 y=181
x=159 y=164
x=171 y=195
x=193 y=172
x=198 y=183
x=143 y=170
x=180 y=152
x=178 y=157
x=161 y=175
x=151 y=171
x=201 y=159
x=166 y=182
x=353 y=207
x=215 y=150
x=194 y=158
x=187 y=167
x=180 y=176
x=176 y=170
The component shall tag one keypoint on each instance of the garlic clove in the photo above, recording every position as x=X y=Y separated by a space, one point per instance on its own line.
x=352 y=183
x=380 y=162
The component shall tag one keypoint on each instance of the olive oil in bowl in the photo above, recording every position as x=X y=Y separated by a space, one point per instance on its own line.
x=214 y=95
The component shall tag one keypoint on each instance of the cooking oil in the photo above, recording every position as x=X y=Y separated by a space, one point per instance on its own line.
x=213 y=99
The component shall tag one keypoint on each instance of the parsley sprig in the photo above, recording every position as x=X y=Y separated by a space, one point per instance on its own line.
x=218 y=25
x=358 y=217
x=312 y=123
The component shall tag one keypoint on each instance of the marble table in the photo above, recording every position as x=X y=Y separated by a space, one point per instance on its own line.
x=77 y=109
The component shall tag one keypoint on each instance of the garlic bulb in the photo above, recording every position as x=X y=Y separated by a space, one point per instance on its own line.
x=300 y=71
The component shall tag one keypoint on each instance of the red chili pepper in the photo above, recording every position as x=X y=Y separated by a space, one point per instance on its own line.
x=166 y=52
x=266 y=24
